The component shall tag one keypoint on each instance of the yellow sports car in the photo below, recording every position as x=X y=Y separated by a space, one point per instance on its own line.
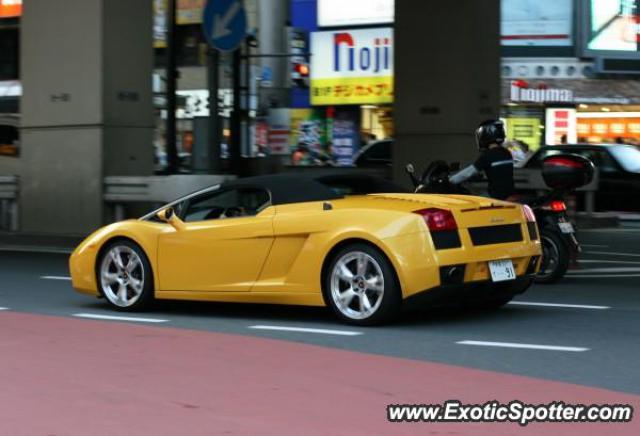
x=353 y=242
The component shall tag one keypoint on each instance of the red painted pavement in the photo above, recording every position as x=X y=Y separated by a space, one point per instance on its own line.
x=68 y=377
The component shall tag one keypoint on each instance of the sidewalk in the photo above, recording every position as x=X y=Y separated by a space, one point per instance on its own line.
x=39 y=243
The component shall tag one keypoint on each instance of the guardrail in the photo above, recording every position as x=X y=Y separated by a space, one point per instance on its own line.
x=123 y=191
x=9 y=186
x=530 y=180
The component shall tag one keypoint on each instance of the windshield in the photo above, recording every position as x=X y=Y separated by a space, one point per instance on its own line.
x=628 y=157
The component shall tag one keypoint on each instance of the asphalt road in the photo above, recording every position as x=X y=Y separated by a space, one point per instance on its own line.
x=69 y=366
x=584 y=330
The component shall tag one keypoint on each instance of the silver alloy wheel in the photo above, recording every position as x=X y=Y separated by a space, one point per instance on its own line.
x=122 y=276
x=357 y=285
x=550 y=257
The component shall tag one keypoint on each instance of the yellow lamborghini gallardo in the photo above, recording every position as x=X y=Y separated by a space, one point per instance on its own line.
x=353 y=242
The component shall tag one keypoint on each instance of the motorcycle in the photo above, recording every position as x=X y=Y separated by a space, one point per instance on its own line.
x=562 y=173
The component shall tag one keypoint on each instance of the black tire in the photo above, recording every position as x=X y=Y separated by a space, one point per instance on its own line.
x=496 y=303
x=390 y=301
x=500 y=294
x=138 y=282
x=555 y=257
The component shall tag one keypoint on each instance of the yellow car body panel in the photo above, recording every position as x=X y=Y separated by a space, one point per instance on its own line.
x=278 y=255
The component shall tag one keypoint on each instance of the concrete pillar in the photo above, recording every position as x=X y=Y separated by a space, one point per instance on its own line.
x=86 y=110
x=447 y=78
x=273 y=18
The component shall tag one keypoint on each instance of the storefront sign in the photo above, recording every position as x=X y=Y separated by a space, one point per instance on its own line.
x=187 y=12
x=197 y=103
x=354 y=12
x=345 y=138
x=352 y=67
x=608 y=127
x=290 y=128
x=10 y=8
x=525 y=129
x=522 y=94
x=561 y=126
x=537 y=22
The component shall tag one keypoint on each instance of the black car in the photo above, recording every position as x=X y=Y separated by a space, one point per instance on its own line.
x=619 y=168
x=376 y=157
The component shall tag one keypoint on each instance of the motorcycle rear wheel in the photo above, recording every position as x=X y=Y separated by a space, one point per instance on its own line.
x=555 y=258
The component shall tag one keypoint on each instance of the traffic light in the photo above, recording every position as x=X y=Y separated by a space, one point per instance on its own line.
x=300 y=75
x=299 y=60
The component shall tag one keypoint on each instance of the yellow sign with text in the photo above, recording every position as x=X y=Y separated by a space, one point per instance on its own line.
x=526 y=130
x=352 y=90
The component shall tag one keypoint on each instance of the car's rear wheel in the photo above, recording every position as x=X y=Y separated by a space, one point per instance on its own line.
x=501 y=294
x=361 y=287
x=124 y=276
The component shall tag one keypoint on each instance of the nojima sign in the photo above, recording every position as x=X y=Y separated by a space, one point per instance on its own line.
x=352 y=67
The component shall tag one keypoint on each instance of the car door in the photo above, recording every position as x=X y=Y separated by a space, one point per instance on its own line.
x=227 y=237
x=612 y=194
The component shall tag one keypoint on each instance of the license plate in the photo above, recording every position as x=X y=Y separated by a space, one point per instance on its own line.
x=502 y=270
x=566 y=228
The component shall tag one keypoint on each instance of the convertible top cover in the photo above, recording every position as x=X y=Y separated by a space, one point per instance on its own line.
x=304 y=187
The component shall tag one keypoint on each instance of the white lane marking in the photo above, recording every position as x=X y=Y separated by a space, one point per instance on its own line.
x=118 y=318
x=619 y=262
x=610 y=230
x=56 y=278
x=612 y=253
x=569 y=306
x=602 y=276
x=305 y=330
x=603 y=270
x=524 y=346
x=4 y=308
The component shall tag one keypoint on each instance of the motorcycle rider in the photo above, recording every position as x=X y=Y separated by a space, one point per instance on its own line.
x=495 y=161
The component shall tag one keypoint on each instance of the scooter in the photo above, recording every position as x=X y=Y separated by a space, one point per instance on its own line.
x=557 y=234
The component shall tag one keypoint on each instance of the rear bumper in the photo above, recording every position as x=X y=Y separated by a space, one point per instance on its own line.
x=469 y=293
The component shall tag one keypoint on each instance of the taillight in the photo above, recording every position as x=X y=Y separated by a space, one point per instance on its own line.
x=556 y=206
x=532 y=227
x=528 y=213
x=438 y=220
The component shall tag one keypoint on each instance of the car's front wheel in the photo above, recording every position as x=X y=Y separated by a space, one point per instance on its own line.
x=361 y=287
x=124 y=276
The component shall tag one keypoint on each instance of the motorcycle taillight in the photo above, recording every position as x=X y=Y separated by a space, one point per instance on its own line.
x=556 y=206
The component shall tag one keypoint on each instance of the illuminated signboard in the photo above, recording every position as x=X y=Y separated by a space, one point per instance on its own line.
x=354 y=12
x=613 y=25
x=537 y=22
x=10 y=8
x=352 y=67
x=561 y=126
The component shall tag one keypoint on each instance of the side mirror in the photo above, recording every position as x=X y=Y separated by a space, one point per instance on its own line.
x=169 y=216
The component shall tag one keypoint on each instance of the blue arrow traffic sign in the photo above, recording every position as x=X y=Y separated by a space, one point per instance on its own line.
x=224 y=23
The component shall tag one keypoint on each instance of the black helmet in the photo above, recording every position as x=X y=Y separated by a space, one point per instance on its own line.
x=490 y=132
